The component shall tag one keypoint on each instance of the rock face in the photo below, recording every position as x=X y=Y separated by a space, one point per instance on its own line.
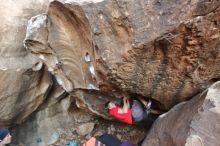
x=88 y=54
x=57 y=115
x=45 y=126
x=156 y=48
x=58 y=121
x=85 y=129
x=152 y=49
x=26 y=91
x=22 y=89
x=196 y=122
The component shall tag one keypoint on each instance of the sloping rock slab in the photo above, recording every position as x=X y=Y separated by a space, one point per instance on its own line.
x=192 y=123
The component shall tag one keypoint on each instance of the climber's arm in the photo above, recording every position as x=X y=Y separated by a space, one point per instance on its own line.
x=142 y=100
x=126 y=106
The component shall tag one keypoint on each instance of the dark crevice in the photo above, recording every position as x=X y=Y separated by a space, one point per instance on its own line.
x=156 y=105
x=213 y=80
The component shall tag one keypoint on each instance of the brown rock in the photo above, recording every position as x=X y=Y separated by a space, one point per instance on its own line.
x=192 y=123
x=93 y=101
x=155 y=49
x=70 y=37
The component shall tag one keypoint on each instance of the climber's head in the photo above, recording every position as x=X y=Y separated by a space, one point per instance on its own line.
x=5 y=136
x=109 y=105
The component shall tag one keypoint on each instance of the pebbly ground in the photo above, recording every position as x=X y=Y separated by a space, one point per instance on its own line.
x=97 y=126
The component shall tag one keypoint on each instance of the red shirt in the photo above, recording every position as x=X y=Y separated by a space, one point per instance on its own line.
x=125 y=117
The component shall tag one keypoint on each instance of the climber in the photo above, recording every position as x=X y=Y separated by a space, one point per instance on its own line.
x=121 y=113
x=5 y=137
x=139 y=111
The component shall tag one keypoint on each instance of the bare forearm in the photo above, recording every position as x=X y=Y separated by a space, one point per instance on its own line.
x=142 y=101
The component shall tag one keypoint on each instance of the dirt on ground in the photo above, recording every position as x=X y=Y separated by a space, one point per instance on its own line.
x=134 y=133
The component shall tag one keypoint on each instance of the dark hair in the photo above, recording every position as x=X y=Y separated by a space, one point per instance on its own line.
x=106 y=105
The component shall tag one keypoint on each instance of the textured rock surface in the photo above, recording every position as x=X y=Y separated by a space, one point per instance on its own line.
x=196 y=122
x=57 y=121
x=91 y=53
x=85 y=129
x=22 y=89
x=26 y=80
x=14 y=17
x=154 y=49
x=45 y=126
x=22 y=94
x=157 y=48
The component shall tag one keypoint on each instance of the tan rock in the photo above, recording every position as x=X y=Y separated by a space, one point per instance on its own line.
x=156 y=56
x=192 y=123
x=22 y=89
x=21 y=94
x=111 y=47
x=85 y=129
x=70 y=37
x=46 y=125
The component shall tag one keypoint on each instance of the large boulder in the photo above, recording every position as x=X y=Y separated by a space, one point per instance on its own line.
x=155 y=49
x=165 y=50
x=45 y=126
x=192 y=123
x=22 y=89
x=21 y=94
x=152 y=48
x=58 y=121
